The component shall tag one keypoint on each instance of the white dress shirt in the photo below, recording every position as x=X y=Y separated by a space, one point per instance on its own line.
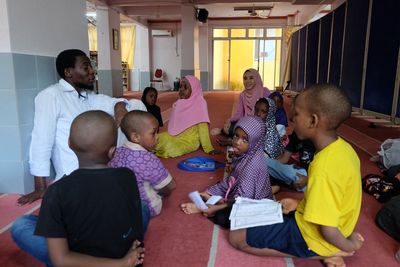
x=55 y=109
x=134 y=104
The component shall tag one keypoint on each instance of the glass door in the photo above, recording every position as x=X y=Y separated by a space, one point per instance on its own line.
x=221 y=65
x=269 y=62
x=238 y=49
x=242 y=58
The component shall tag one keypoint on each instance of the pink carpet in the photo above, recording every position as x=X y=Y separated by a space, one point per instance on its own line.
x=10 y=210
x=176 y=239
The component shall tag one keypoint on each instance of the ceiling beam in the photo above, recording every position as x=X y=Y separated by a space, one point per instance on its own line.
x=146 y=10
x=180 y=2
x=145 y=3
x=209 y=2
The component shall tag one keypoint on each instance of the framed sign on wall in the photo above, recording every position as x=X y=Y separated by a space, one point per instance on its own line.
x=115 y=38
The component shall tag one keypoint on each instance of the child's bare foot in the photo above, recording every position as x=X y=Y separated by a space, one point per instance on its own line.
x=334 y=261
x=135 y=255
x=301 y=182
x=397 y=255
x=189 y=208
x=275 y=189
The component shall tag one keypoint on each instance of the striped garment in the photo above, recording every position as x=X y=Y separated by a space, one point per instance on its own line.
x=250 y=174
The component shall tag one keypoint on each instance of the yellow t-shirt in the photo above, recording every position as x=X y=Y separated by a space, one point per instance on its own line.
x=333 y=196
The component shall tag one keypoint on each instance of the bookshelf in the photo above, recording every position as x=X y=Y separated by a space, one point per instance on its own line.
x=125 y=76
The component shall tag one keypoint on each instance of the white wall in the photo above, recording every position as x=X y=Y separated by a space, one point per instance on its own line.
x=5 y=45
x=166 y=53
x=48 y=34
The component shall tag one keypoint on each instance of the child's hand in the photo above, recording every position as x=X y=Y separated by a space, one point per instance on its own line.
x=135 y=255
x=210 y=212
x=204 y=195
x=224 y=142
x=228 y=168
x=227 y=125
x=288 y=205
x=215 y=152
x=357 y=240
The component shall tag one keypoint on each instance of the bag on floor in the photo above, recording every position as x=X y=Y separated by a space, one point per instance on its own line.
x=388 y=218
x=200 y=164
x=382 y=188
x=390 y=152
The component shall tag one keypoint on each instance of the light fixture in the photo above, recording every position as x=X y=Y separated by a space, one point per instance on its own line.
x=91 y=14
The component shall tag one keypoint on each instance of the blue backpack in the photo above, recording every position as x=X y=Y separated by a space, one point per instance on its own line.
x=200 y=164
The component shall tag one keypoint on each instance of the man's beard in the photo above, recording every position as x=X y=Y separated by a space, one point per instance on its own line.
x=86 y=86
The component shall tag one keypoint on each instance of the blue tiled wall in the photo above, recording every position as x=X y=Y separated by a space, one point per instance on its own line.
x=204 y=80
x=144 y=79
x=110 y=82
x=105 y=82
x=21 y=78
x=186 y=72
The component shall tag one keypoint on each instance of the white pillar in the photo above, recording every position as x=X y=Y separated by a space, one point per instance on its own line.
x=190 y=41
x=204 y=57
x=109 y=52
x=141 y=70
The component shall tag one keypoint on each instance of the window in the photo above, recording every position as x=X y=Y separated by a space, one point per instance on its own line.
x=218 y=33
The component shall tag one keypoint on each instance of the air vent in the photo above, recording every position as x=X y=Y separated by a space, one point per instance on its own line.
x=161 y=33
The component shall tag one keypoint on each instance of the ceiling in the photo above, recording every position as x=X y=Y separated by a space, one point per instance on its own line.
x=158 y=10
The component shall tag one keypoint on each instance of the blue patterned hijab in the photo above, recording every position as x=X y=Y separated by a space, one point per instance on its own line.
x=273 y=144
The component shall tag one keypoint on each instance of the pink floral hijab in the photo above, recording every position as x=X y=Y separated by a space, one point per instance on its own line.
x=188 y=112
x=250 y=96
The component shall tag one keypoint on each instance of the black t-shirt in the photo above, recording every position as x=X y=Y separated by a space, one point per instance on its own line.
x=305 y=148
x=155 y=110
x=97 y=211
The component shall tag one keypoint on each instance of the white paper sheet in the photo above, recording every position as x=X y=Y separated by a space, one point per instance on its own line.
x=197 y=200
x=250 y=213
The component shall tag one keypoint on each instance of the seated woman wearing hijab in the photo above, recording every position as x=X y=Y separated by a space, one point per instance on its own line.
x=253 y=90
x=188 y=126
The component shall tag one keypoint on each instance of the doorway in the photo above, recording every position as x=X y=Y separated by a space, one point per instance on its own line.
x=238 y=49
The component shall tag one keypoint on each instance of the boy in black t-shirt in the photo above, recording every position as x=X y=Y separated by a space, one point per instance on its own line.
x=92 y=217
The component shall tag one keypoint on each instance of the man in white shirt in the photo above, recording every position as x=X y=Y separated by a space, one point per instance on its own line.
x=55 y=109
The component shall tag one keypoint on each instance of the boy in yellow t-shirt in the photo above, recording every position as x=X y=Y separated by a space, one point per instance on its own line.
x=322 y=226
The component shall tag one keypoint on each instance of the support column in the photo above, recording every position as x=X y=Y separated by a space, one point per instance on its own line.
x=141 y=70
x=190 y=42
x=28 y=49
x=204 y=57
x=109 y=71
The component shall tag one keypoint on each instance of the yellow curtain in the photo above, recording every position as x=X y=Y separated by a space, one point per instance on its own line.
x=92 y=32
x=287 y=39
x=128 y=44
